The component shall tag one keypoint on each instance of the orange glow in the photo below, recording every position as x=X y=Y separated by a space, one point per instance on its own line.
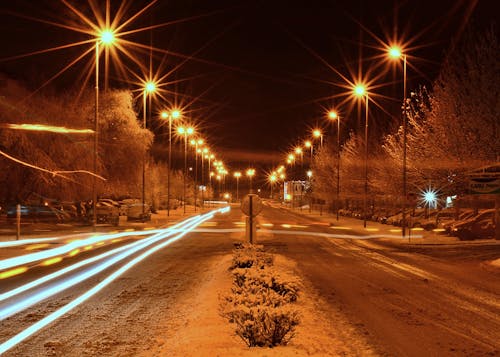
x=164 y=115
x=316 y=133
x=176 y=114
x=12 y=272
x=298 y=151
x=307 y=144
x=332 y=115
x=237 y=174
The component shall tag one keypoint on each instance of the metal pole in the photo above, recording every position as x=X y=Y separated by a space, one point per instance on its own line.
x=195 y=174
x=144 y=157
x=169 y=161
x=185 y=173
x=404 y=150
x=366 y=164
x=96 y=127
x=18 y=221
x=338 y=166
x=202 y=181
x=237 y=188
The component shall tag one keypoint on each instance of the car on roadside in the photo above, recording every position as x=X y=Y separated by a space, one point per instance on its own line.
x=36 y=214
x=139 y=212
x=480 y=226
x=105 y=213
x=463 y=216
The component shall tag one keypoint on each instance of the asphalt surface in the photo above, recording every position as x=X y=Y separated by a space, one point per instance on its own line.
x=407 y=300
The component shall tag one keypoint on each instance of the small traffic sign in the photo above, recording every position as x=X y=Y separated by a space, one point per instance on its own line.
x=251 y=205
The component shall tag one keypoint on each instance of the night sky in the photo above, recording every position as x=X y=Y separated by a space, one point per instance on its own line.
x=259 y=74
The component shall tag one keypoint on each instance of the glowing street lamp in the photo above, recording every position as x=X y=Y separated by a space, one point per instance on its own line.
x=174 y=114
x=106 y=37
x=195 y=143
x=308 y=145
x=360 y=91
x=318 y=134
x=149 y=88
x=272 y=179
x=395 y=52
x=333 y=115
x=250 y=173
x=237 y=175
x=185 y=131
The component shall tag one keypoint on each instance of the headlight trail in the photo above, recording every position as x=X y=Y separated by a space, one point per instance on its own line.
x=62 y=250
x=189 y=226
x=331 y=235
x=130 y=249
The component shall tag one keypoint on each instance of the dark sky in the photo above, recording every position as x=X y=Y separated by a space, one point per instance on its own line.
x=259 y=76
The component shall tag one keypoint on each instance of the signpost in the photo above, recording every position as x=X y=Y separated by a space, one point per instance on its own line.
x=486 y=181
x=251 y=206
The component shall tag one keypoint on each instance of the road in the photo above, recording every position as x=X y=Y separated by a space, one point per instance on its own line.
x=405 y=300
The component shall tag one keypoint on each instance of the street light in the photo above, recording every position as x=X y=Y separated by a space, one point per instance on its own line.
x=318 y=134
x=396 y=53
x=195 y=143
x=332 y=115
x=360 y=91
x=174 y=114
x=149 y=88
x=237 y=175
x=299 y=151
x=106 y=37
x=272 y=180
x=308 y=145
x=185 y=131
x=250 y=174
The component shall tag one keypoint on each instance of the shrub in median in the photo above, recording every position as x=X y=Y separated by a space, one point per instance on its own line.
x=259 y=305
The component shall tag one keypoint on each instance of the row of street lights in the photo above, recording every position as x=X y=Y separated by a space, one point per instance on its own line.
x=360 y=91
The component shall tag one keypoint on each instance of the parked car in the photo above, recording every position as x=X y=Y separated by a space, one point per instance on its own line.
x=39 y=213
x=138 y=212
x=465 y=215
x=105 y=213
x=480 y=226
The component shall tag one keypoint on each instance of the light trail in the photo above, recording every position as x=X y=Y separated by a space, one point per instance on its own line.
x=24 y=304
x=5 y=346
x=331 y=235
x=49 y=128
x=54 y=252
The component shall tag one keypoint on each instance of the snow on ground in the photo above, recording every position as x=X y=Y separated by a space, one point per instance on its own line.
x=201 y=331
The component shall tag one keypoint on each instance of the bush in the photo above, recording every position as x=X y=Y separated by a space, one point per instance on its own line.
x=259 y=303
x=247 y=256
x=264 y=326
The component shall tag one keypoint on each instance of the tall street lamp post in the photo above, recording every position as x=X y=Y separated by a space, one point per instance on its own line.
x=170 y=116
x=250 y=174
x=149 y=88
x=308 y=144
x=361 y=92
x=332 y=115
x=318 y=134
x=395 y=52
x=272 y=180
x=195 y=143
x=185 y=132
x=237 y=175
x=106 y=37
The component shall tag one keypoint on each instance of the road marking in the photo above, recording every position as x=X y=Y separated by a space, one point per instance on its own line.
x=239 y=223
x=340 y=227
x=372 y=229
x=12 y=272
x=267 y=225
x=209 y=224
x=331 y=235
x=284 y=225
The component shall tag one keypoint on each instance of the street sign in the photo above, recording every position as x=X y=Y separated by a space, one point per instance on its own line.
x=485 y=185
x=251 y=205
